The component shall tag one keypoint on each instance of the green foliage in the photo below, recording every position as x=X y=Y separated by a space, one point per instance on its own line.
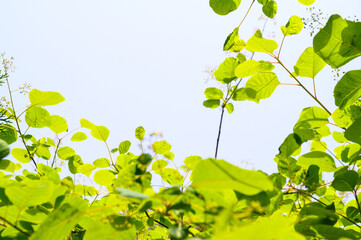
x=47 y=191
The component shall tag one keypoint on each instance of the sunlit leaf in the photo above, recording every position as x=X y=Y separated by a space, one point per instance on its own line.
x=225 y=72
x=230 y=108
x=309 y=64
x=124 y=147
x=58 y=124
x=45 y=98
x=65 y=153
x=86 y=169
x=74 y=163
x=339 y=41
x=293 y=26
x=104 y=177
x=101 y=163
x=159 y=164
x=324 y=161
x=270 y=9
x=258 y=44
x=130 y=194
x=4 y=149
x=219 y=174
x=37 y=117
x=21 y=155
x=213 y=93
x=86 y=124
x=139 y=133
x=78 y=137
x=348 y=89
x=251 y=67
x=261 y=85
x=223 y=7
x=233 y=43
x=7 y=165
x=100 y=132
x=8 y=133
x=161 y=147
x=241 y=95
x=211 y=103
x=307 y=2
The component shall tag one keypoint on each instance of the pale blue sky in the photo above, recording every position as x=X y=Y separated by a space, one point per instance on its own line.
x=122 y=64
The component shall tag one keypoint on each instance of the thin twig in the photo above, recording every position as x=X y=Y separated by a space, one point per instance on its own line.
x=14 y=226
x=246 y=13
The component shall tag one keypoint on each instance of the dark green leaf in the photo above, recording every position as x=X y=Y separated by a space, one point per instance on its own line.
x=345 y=181
x=348 y=89
x=223 y=7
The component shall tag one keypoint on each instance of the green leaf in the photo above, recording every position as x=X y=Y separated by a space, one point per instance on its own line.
x=8 y=133
x=101 y=163
x=226 y=70
x=161 y=147
x=334 y=233
x=130 y=194
x=21 y=155
x=113 y=227
x=48 y=173
x=348 y=89
x=287 y=167
x=74 y=163
x=178 y=232
x=44 y=98
x=318 y=146
x=124 y=147
x=211 y=103
x=345 y=181
x=221 y=175
x=58 y=124
x=233 y=43
x=261 y=85
x=293 y=26
x=223 y=7
x=139 y=133
x=43 y=152
x=37 y=117
x=62 y=220
x=7 y=165
x=192 y=161
x=86 y=169
x=270 y=9
x=213 y=93
x=170 y=176
x=4 y=149
x=324 y=161
x=86 y=124
x=78 y=137
x=159 y=164
x=353 y=133
x=345 y=117
x=312 y=181
x=258 y=44
x=307 y=2
x=311 y=123
x=104 y=177
x=309 y=64
x=290 y=145
x=241 y=95
x=65 y=153
x=230 y=108
x=251 y=67
x=100 y=132
x=339 y=41
x=32 y=194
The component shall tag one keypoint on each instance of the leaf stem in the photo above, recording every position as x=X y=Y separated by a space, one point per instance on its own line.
x=219 y=131
x=18 y=126
x=246 y=13
x=309 y=93
x=279 y=52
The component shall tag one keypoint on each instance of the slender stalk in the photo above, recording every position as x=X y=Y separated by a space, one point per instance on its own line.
x=246 y=13
x=219 y=131
x=56 y=150
x=111 y=158
x=18 y=126
x=14 y=226
x=279 y=52
x=356 y=198
x=314 y=86
x=309 y=93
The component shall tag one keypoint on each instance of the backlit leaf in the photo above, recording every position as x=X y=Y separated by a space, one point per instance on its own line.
x=309 y=64
x=211 y=103
x=45 y=98
x=78 y=137
x=124 y=147
x=161 y=147
x=101 y=163
x=345 y=181
x=261 y=85
x=270 y=9
x=86 y=124
x=233 y=43
x=259 y=44
x=226 y=70
x=100 y=132
x=139 y=133
x=219 y=174
x=348 y=89
x=230 y=108
x=339 y=41
x=8 y=133
x=324 y=161
x=104 y=177
x=307 y=2
x=293 y=26
x=86 y=169
x=223 y=7
x=58 y=124
x=251 y=67
x=21 y=155
x=65 y=153
x=241 y=95
x=37 y=117
x=213 y=93
x=4 y=149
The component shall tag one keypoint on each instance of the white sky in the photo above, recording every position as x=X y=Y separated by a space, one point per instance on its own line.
x=122 y=64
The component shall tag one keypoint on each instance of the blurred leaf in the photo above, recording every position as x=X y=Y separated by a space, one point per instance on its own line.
x=223 y=7
x=345 y=181
x=130 y=194
x=213 y=93
x=124 y=147
x=101 y=163
x=270 y=9
x=139 y=133
x=211 y=103
x=307 y=2
x=159 y=164
x=21 y=155
x=324 y=161
x=4 y=149
x=230 y=108
x=86 y=169
x=178 y=232
x=65 y=153
x=8 y=133
x=161 y=147
x=104 y=177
